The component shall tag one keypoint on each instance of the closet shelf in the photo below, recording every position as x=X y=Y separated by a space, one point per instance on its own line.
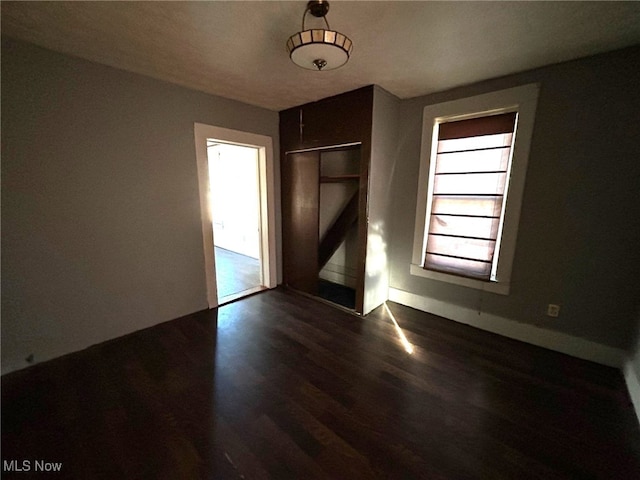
x=339 y=178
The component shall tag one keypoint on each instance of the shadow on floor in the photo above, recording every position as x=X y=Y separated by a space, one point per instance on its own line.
x=336 y=293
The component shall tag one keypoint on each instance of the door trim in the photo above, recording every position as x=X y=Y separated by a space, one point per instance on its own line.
x=266 y=173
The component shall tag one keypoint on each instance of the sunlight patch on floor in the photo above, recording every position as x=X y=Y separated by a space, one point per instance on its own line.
x=403 y=339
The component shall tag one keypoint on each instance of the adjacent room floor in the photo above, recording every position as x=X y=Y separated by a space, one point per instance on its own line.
x=279 y=386
x=235 y=272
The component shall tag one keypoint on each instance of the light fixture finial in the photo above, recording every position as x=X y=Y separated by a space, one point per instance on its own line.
x=320 y=63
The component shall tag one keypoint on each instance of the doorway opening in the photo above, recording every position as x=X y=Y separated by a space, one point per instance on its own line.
x=237 y=201
x=234 y=197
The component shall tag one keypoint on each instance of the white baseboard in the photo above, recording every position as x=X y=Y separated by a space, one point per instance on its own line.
x=553 y=340
x=633 y=385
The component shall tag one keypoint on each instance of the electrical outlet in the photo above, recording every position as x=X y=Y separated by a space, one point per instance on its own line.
x=553 y=310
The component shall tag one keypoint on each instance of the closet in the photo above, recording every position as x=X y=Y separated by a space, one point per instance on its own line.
x=321 y=189
x=334 y=159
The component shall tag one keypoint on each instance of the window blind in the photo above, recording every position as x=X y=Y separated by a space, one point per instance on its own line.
x=469 y=184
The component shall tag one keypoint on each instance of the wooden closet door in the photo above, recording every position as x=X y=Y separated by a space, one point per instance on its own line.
x=300 y=210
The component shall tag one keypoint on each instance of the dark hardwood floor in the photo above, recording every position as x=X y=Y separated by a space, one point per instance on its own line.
x=288 y=387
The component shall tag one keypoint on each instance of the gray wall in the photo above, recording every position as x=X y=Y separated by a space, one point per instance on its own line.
x=101 y=231
x=579 y=235
x=384 y=132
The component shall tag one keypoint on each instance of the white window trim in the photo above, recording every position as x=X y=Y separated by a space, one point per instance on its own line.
x=524 y=99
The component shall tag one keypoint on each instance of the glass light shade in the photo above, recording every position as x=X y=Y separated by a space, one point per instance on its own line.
x=319 y=49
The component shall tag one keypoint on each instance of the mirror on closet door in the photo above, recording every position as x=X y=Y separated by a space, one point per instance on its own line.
x=338 y=241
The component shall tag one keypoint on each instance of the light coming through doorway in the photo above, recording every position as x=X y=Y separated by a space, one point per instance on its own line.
x=234 y=195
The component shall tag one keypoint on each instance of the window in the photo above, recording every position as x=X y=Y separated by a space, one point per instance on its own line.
x=468 y=188
x=473 y=163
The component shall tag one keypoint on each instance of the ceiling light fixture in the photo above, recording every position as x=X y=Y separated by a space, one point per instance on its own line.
x=319 y=49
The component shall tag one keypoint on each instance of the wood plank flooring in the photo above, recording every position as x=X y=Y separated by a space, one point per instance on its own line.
x=281 y=386
x=235 y=272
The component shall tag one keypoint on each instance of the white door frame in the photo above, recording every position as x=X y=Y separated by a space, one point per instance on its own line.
x=266 y=173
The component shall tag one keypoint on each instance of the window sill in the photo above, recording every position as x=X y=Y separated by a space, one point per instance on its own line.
x=493 y=287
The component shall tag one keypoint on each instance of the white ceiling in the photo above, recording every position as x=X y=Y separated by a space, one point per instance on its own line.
x=236 y=49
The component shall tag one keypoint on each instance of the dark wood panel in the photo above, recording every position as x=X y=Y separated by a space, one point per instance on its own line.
x=341 y=119
x=281 y=386
x=300 y=211
x=336 y=120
